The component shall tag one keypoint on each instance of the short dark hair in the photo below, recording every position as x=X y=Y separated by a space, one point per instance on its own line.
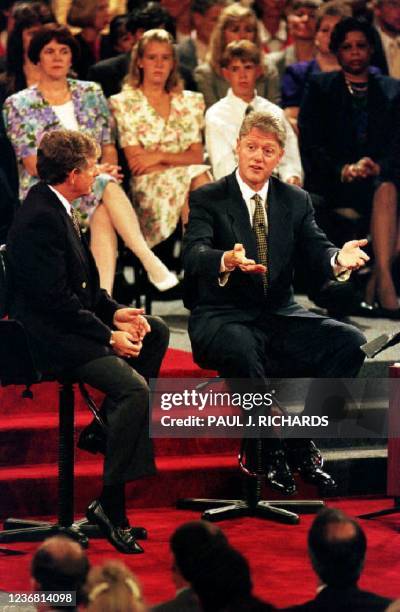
x=59 y=564
x=46 y=34
x=243 y=50
x=350 y=24
x=150 y=17
x=337 y=557
x=62 y=151
x=192 y=542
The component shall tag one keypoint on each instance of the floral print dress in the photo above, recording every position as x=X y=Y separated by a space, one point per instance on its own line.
x=28 y=116
x=160 y=196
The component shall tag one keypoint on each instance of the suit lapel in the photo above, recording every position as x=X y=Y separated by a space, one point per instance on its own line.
x=278 y=214
x=74 y=240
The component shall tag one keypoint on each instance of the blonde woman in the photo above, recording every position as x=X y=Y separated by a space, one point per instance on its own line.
x=160 y=131
x=235 y=23
x=113 y=588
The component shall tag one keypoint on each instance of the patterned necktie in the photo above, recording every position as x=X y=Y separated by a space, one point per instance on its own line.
x=75 y=221
x=261 y=236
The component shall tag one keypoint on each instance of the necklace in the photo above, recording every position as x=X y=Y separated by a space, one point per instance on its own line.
x=357 y=89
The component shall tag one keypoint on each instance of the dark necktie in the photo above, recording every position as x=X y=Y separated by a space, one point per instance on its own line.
x=261 y=236
x=248 y=110
x=75 y=221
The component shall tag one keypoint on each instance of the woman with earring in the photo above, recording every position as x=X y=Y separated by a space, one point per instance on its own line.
x=160 y=132
x=55 y=102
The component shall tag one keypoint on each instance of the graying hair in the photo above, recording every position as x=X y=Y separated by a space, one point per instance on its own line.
x=270 y=123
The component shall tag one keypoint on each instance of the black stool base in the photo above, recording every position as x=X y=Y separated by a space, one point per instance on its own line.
x=283 y=511
x=16 y=530
x=385 y=512
x=21 y=530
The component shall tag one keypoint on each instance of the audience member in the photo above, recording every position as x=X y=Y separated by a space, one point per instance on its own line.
x=337 y=547
x=180 y=12
x=193 y=50
x=119 y=39
x=60 y=564
x=272 y=25
x=57 y=101
x=386 y=45
x=160 y=132
x=110 y=73
x=235 y=23
x=111 y=587
x=349 y=124
x=302 y=21
x=28 y=17
x=190 y=544
x=216 y=572
x=296 y=75
x=92 y=16
x=240 y=66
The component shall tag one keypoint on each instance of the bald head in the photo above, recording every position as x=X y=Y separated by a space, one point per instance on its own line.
x=337 y=547
x=60 y=564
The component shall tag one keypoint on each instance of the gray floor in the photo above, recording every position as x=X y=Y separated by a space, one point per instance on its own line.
x=176 y=316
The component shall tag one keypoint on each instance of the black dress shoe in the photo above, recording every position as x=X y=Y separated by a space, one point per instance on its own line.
x=307 y=460
x=120 y=538
x=93 y=439
x=278 y=473
x=139 y=533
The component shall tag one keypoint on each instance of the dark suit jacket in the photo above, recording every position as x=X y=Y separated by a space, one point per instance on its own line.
x=185 y=601
x=327 y=136
x=218 y=219
x=56 y=288
x=351 y=599
x=110 y=73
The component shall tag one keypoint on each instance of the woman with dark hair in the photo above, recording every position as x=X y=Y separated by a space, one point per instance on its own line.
x=60 y=102
x=28 y=17
x=159 y=129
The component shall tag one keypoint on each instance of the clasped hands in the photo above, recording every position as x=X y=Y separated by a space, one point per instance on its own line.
x=364 y=168
x=132 y=327
x=112 y=169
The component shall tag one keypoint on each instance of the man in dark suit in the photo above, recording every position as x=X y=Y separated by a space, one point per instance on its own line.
x=337 y=547
x=244 y=321
x=349 y=125
x=73 y=325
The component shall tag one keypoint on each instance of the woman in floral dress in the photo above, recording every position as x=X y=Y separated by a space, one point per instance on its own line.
x=160 y=132
x=58 y=102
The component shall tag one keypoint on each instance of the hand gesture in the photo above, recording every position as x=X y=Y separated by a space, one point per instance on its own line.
x=351 y=256
x=237 y=259
x=132 y=321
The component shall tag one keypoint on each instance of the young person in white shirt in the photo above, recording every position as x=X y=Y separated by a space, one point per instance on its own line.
x=241 y=66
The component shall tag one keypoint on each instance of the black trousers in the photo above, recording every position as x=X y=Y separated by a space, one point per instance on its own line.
x=289 y=347
x=129 y=453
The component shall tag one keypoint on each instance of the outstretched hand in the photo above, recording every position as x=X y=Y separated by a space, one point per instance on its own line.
x=351 y=256
x=237 y=259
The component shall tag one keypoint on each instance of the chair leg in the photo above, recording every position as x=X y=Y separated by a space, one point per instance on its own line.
x=35 y=531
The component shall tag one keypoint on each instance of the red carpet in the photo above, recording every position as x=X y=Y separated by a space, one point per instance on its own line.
x=277 y=554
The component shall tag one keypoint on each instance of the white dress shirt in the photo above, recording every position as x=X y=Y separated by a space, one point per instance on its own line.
x=275 y=42
x=223 y=121
x=62 y=199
